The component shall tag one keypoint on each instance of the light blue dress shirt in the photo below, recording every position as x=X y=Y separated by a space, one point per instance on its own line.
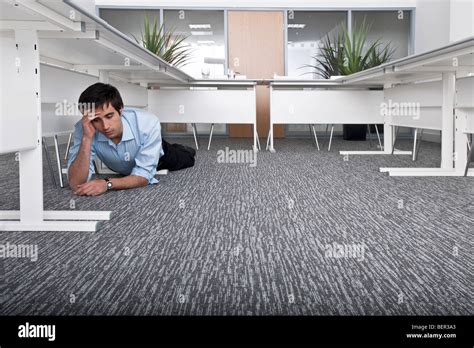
x=137 y=153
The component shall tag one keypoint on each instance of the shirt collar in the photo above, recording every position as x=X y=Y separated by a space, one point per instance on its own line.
x=126 y=135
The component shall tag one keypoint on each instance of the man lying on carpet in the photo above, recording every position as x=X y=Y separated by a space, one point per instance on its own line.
x=127 y=140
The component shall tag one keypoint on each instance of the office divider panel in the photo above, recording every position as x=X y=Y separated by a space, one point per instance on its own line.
x=203 y=106
x=417 y=105
x=319 y=106
x=465 y=92
x=20 y=126
x=465 y=103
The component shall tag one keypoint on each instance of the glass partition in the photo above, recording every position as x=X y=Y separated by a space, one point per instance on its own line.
x=388 y=26
x=129 y=22
x=205 y=34
x=306 y=30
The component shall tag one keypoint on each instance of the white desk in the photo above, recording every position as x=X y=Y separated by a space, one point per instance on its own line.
x=207 y=101
x=434 y=80
x=60 y=34
x=322 y=102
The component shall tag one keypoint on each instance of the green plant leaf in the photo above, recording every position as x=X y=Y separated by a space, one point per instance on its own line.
x=164 y=43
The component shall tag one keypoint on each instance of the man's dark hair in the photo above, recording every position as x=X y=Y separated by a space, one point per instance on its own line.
x=100 y=95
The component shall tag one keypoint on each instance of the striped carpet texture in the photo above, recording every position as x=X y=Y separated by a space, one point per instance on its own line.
x=300 y=233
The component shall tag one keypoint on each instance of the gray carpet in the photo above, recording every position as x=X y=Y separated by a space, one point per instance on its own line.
x=233 y=239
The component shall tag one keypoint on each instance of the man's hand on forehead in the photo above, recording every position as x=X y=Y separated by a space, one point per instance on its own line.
x=91 y=114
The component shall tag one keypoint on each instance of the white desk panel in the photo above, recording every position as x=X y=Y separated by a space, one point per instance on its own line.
x=427 y=118
x=415 y=105
x=203 y=105
x=426 y=94
x=465 y=92
x=339 y=106
x=60 y=91
x=469 y=121
x=19 y=104
x=59 y=85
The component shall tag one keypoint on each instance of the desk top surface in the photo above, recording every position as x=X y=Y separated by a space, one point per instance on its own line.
x=74 y=39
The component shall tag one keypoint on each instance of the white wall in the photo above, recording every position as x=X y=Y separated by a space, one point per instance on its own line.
x=462 y=19
x=431 y=24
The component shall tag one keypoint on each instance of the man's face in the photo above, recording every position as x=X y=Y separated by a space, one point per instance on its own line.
x=108 y=121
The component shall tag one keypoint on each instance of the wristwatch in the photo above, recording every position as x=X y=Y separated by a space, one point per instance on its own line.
x=109 y=184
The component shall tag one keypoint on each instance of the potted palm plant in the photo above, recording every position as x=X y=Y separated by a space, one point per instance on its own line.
x=331 y=57
x=347 y=54
x=165 y=43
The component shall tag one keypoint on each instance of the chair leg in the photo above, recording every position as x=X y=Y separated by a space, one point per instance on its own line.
x=68 y=147
x=258 y=141
x=96 y=169
x=414 y=144
x=395 y=139
x=268 y=139
x=369 y=136
x=469 y=156
x=315 y=136
x=48 y=159
x=378 y=137
x=330 y=137
x=311 y=134
x=210 y=137
x=195 y=135
x=58 y=161
x=419 y=144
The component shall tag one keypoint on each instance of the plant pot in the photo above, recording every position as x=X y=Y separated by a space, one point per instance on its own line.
x=354 y=132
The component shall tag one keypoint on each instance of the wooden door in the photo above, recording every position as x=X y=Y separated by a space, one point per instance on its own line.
x=256 y=49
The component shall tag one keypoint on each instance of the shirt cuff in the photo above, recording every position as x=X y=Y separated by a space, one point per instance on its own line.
x=145 y=174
